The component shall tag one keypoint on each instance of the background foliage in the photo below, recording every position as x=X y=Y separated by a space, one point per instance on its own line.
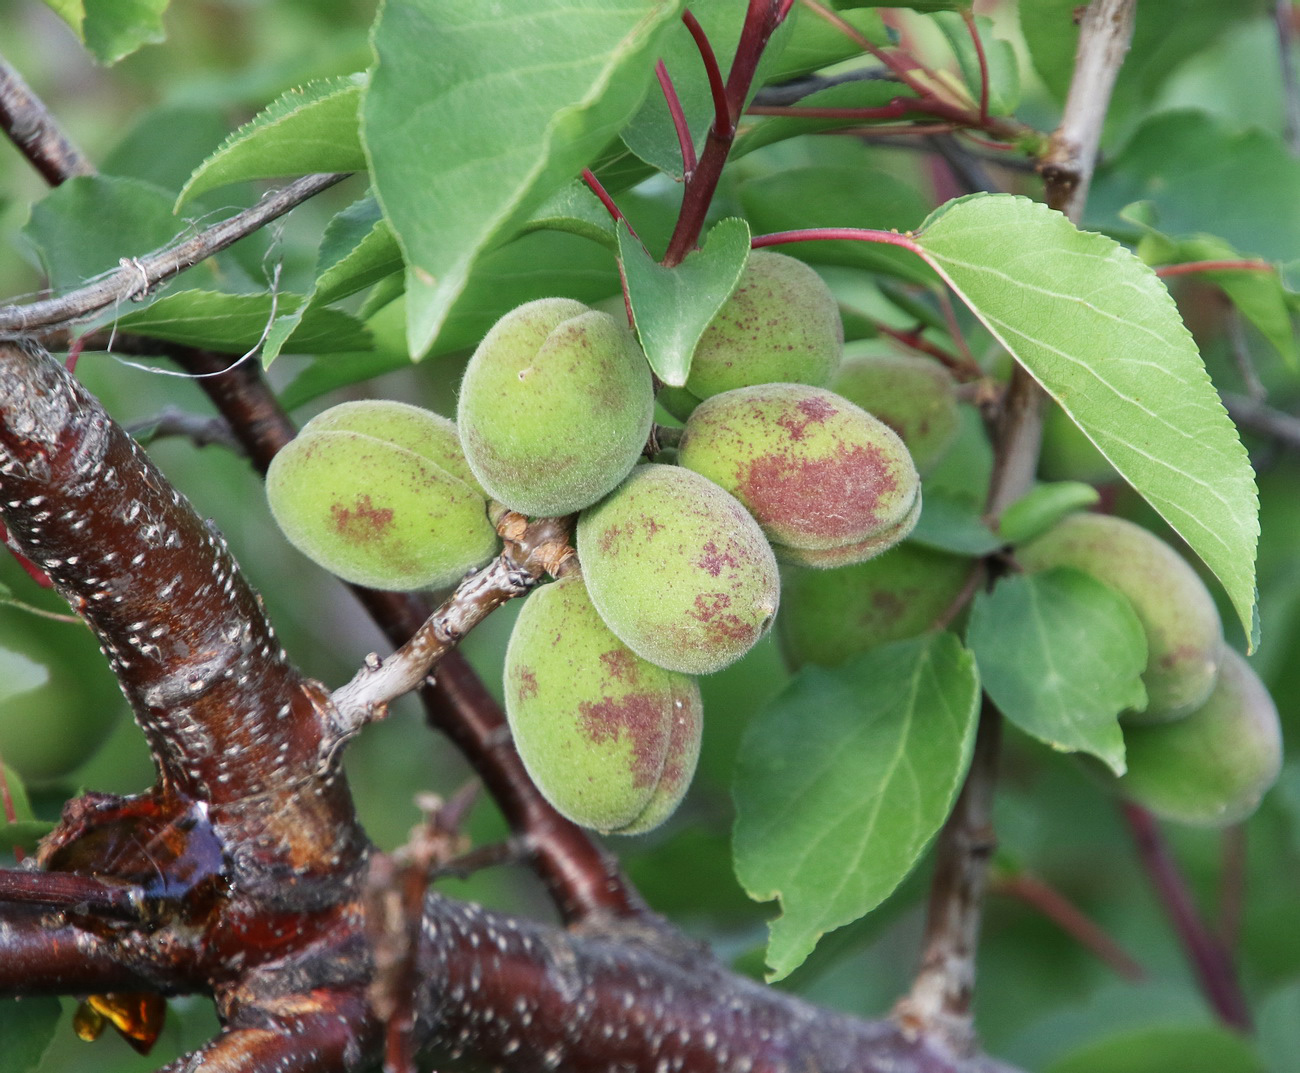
x=1198 y=163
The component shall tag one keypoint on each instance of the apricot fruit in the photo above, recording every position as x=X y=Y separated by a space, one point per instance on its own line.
x=610 y=739
x=1183 y=630
x=555 y=407
x=915 y=396
x=781 y=324
x=376 y=513
x=828 y=616
x=818 y=473
x=1212 y=767
x=413 y=427
x=678 y=569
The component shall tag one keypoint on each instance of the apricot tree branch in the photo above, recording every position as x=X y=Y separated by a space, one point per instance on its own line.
x=1210 y=961
x=941 y=994
x=532 y=550
x=29 y=125
x=139 y=275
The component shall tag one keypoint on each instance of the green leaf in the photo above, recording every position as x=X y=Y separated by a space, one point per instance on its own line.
x=1061 y=655
x=1097 y=329
x=1196 y=171
x=27 y=1026
x=306 y=130
x=844 y=779
x=673 y=306
x=236 y=323
x=13 y=783
x=953 y=523
x=1260 y=295
x=1042 y=507
x=814 y=43
x=1164 y=1049
x=999 y=58
x=1279 y=1027
x=113 y=29
x=839 y=196
x=358 y=250
x=89 y=224
x=465 y=141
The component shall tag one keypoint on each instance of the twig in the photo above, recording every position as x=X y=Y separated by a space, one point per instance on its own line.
x=532 y=550
x=1283 y=13
x=1263 y=419
x=29 y=125
x=1105 y=32
x=1239 y=348
x=141 y=274
x=968 y=16
x=1213 y=967
x=67 y=890
x=1070 y=919
x=1232 y=886
x=201 y=431
x=941 y=995
x=939 y=1002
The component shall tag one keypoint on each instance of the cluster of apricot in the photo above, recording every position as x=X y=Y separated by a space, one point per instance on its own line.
x=791 y=454
x=677 y=549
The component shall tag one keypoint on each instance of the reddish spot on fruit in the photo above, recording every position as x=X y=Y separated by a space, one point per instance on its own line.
x=527 y=683
x=621 y=664
x=640 y=716
x=711 y=609
x=362 y=522
x=812 y=411
x=714 y=559
x=834 y=499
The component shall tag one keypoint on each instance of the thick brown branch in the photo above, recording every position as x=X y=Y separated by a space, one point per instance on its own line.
x=226 y=716
x=42 y=955
x=24 y=117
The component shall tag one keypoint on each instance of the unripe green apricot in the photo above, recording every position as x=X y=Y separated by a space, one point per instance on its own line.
x=1183 y=630
x=555 y=407
x=678 y=569
x=375 y=513
x=915 y=396
x=413 y=427
x=818 y=473
x=610 y=739
x=1212 y=767
x=781 y=324
x=828 y=616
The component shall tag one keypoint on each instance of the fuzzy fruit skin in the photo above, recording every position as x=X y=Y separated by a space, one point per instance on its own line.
x=610 y=739
x=1212 y=767
x=375 y=513
x=915 y=396
x=555 y=407
x=781 y=324
x=829 y=616
x=817 y=472
x=678 y=569
x=1182 y=625
x=426 y=433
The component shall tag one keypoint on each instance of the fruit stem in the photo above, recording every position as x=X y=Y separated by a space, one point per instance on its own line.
x=1067 y=916
x=1210 y=961
x=968 y=16
x=761 y=20
x=835 y=234
x=683 y=129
